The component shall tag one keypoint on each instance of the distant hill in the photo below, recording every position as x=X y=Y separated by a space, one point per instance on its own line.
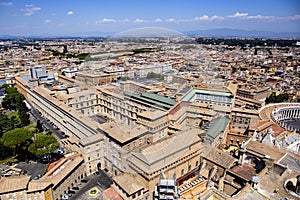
x=73 y=35
x=225 y=32
x=222 y=32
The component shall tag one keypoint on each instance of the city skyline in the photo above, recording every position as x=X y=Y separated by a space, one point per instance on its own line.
x=60 y=18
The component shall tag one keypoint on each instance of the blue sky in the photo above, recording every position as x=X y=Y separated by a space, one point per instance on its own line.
x=62 y=17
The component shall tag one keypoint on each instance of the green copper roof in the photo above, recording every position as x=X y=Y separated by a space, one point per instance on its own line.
x=159 y=98
x=160 y=102
x=216 y=127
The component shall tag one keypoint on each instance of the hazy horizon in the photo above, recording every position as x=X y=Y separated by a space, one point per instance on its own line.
x=56 y=17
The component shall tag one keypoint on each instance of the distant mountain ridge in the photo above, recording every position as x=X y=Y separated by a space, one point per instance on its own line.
x=226 y=32
x=221 y=32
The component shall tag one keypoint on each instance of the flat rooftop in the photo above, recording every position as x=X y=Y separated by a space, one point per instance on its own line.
x=190 y=95
x=123 y=133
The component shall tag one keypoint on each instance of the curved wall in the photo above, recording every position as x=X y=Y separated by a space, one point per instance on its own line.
x=287 y=117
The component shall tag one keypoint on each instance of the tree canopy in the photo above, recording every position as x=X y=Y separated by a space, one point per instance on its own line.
x=18 y=139
x=6 y=124
x=13 y=100
x=273 y=98
x=23 y=115
x=43 y=145
x=247 y=42
x=152 y=75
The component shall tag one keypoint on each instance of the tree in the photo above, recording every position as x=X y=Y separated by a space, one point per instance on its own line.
x=273 y=98
x=39 y=126
x=17 y=139
x=43 y=145
x=23 y=115
x=152 y=75
x=13 y=99
x=124 y=78
x=4 y=151
x=14 y=122
x=5 y=124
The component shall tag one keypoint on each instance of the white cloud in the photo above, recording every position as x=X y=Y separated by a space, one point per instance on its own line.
x=263 y=17
x=70 y=13
x=215 y=17
x=170 y=20
x=30 y=10
x=204 y=17
x=47 y=21
x=107 y=20
x=9 y=3
x=157 y=20
x=140 y=20
x=207 y=18
x=260 y=17
x=238 y=14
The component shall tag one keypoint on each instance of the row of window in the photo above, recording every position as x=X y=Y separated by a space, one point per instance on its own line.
x=177 y=161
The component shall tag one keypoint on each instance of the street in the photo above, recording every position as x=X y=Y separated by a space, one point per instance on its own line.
x=37 y=116
x=101 y=181
x=33 y=168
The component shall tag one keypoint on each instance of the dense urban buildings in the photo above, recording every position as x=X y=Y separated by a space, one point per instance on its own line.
x=166 y=118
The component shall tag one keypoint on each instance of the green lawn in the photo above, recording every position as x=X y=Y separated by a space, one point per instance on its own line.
x=10 y=114
x=9 y=160
x=31 y=126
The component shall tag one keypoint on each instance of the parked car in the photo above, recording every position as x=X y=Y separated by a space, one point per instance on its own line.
x=85 y=180
x=75 y=188
x=37 y=177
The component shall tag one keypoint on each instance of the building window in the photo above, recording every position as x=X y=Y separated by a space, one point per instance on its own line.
x=182 y=172
x=197 y=162
x=190 y=167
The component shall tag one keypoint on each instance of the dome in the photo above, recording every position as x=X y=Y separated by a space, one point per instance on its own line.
x=149 y=32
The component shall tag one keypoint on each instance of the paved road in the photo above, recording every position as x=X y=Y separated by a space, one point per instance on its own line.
x=33 y=168
x=101 y=181
x=46 y=123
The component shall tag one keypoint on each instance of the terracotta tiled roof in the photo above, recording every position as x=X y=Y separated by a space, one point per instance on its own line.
x=129 y=183
x=221 y=158
x=277 y=130
x=112 y=194
x=13 y=183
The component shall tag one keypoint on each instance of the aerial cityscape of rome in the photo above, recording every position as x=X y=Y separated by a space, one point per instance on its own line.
x=150 y=100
